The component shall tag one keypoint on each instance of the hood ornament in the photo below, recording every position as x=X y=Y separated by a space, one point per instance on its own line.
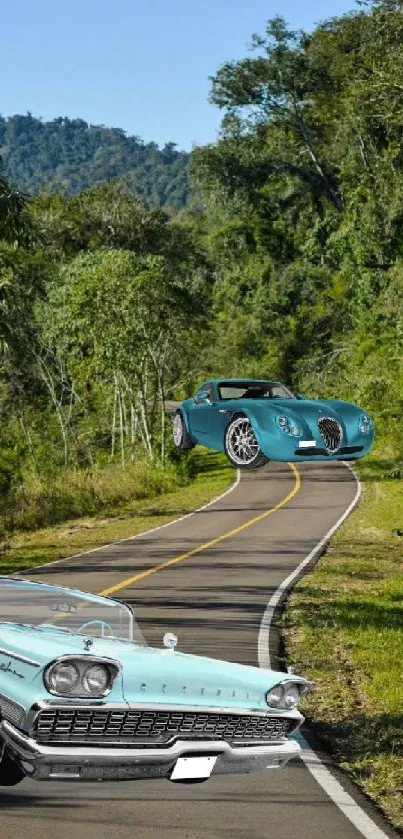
x=88 y=644
x=170 y=641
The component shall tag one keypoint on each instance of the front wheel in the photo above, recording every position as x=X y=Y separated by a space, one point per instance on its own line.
x=181 y=436
x=241 y=446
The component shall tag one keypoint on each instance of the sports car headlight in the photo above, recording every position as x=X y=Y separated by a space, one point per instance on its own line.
x=366 y=424
x=81 y=677
x=286 y=695
x=289 y=426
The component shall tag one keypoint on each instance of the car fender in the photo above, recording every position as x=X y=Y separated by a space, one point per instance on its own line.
x=350 y=415
x=182 y=408
x=347 y=411
x=253 y=414
x=267 y=432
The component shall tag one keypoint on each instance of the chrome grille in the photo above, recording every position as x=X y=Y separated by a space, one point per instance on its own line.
x=154 y=727
x=331 y=433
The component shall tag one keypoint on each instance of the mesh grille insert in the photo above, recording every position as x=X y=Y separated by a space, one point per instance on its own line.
x=155 y=727
x=331 y=433
x=10 y=710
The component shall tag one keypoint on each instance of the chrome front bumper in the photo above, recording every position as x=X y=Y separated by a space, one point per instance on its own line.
x=94 y=764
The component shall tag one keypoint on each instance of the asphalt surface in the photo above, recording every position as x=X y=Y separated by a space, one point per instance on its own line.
x=214 y=601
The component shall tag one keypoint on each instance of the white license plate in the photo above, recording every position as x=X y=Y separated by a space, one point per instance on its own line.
x=193 y=767
x=307 y=444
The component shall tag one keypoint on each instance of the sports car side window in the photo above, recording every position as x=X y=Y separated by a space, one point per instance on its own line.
x=280 y=392
x=204 y=389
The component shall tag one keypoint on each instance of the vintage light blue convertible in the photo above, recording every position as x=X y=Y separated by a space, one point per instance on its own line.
x=83 y=698
x=255 y=421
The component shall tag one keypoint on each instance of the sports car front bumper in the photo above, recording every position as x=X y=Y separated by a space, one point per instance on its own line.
x=89 y=763
x=315 y=451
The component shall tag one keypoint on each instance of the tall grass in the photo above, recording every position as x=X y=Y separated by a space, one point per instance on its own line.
x=44 y=500
x=344 y=630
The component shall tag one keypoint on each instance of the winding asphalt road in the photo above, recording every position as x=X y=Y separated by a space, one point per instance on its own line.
x=221 y=566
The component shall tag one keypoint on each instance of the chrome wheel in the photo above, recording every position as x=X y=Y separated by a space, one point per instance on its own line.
x=240 y=442
x=178 y=430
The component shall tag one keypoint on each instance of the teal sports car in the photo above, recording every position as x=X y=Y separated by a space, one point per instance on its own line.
x=254 y=421
x=83 y=698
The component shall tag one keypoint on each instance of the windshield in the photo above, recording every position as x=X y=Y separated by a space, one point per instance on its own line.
x=55 y=609
x=254 y=390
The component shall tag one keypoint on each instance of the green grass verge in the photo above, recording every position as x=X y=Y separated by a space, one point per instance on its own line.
x=23 y=549
x=344 y=630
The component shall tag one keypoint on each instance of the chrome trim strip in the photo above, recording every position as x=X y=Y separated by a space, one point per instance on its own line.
x=18 y=657
x=160 y=706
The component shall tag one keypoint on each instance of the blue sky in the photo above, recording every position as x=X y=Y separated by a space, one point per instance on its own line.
x=140 y=65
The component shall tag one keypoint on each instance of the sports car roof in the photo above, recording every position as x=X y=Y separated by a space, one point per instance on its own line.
x=241 y=379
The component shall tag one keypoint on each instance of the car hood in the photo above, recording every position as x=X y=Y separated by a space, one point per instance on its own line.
x=302 y=407
x=309 y=410
x=35 y=647
x=174 y=677
x=149 y=675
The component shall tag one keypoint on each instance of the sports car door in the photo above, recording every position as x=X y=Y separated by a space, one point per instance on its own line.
x=202 y=415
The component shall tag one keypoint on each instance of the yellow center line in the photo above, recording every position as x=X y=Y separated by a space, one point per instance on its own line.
x=181 y=558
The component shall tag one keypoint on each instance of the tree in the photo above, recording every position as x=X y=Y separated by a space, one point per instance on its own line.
x=118 y=324
x=70 y=156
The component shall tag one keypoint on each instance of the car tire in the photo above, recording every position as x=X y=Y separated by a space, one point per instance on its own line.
x=241 y=446
x=181 y=437
x=10 y=773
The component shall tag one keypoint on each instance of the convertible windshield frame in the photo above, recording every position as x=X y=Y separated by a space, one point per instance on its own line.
x=44 y=606
x=255 y=385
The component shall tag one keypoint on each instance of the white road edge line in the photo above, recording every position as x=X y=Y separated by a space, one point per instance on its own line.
x=265 y=626
x=143 y=532
x=331 y=786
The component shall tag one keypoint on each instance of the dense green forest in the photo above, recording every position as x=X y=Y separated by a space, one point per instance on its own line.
x=292 y=268
x=69 y=155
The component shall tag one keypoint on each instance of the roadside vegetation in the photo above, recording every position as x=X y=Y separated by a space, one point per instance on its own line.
x=344 y=630
x=289 y=265
x=121 y=505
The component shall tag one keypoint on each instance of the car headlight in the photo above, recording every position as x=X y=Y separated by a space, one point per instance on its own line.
x=366 y=424
x=62 y=677
x=289 y=426
x=291 y=696
x=96 y=679
x=286 y=695
x=274 y=697
x=81 y=676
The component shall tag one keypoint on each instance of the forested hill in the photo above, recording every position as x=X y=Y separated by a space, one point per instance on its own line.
x=70 y=155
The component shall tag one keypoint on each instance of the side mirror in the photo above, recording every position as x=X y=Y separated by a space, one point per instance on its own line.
x=302 y=396
x=202 y=396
